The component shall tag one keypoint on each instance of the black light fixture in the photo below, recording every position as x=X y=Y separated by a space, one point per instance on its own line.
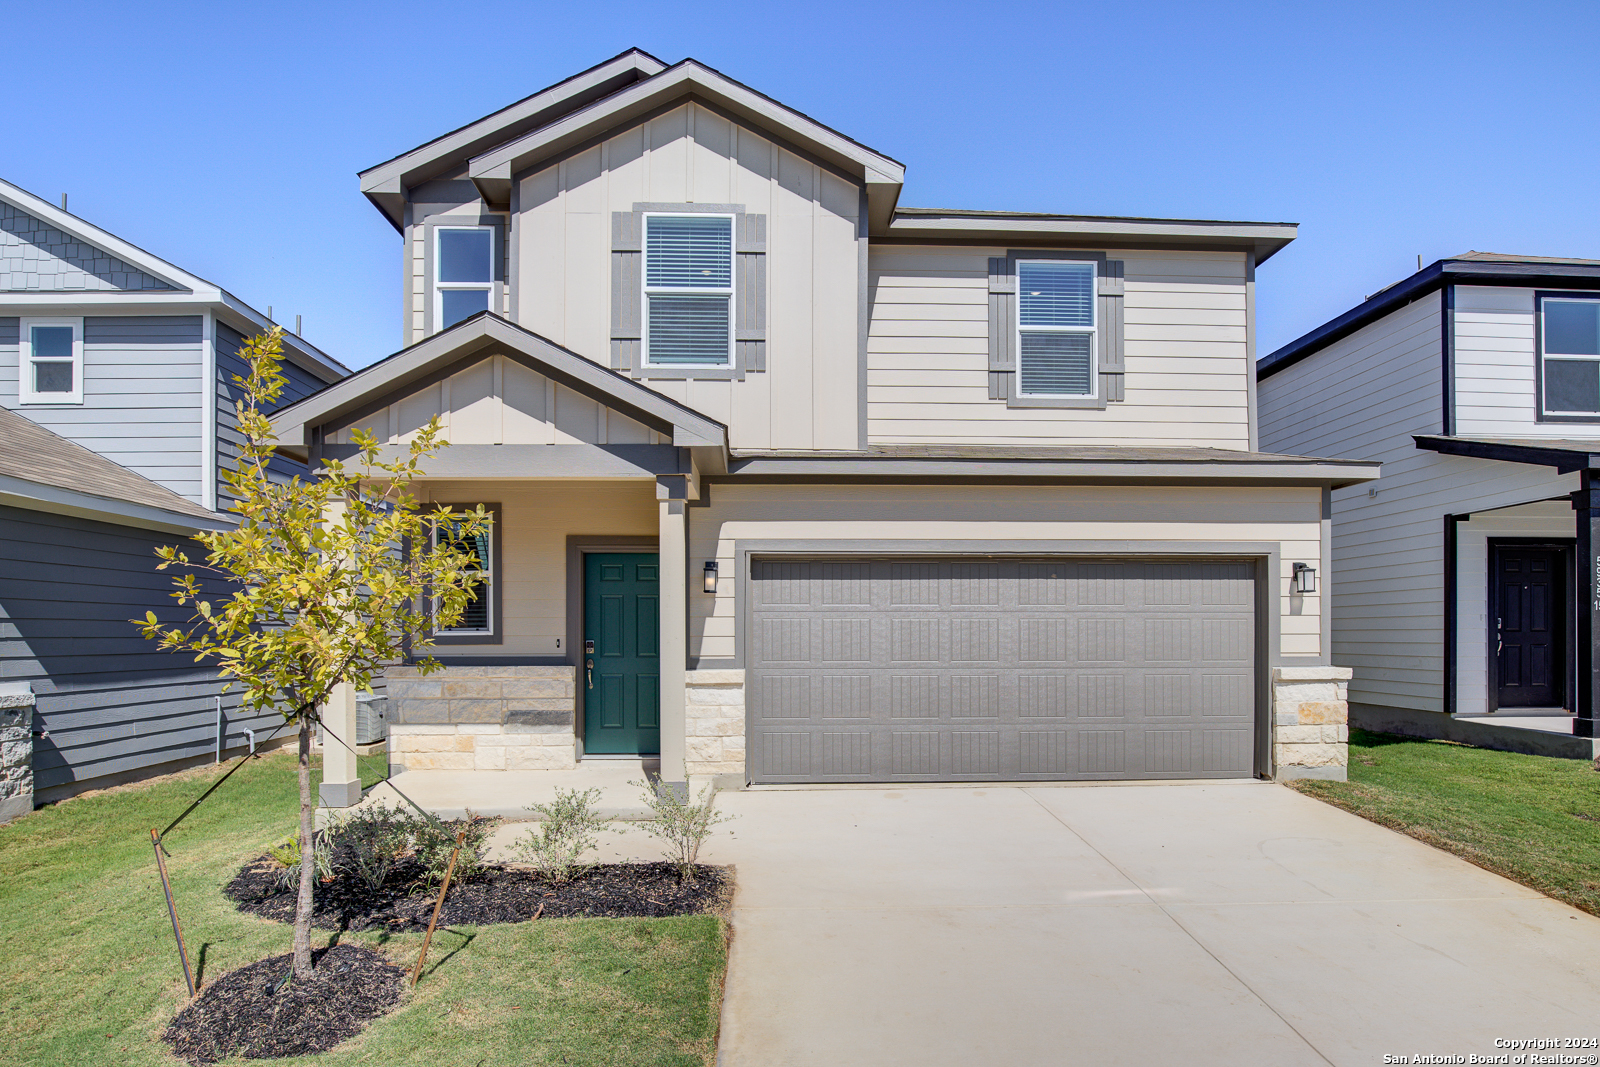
x=710 y=579
x=1305 y=579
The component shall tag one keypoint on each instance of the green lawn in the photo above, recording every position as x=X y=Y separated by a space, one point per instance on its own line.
x=1530 y=818
x=89 y=975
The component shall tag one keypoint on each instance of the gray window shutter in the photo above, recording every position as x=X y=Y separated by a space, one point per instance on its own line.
x=1110 y=314
x=1002 y=313
x=750 y=292
x=627 y=314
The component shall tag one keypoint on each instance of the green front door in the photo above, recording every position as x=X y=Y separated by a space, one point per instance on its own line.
x=621 y=653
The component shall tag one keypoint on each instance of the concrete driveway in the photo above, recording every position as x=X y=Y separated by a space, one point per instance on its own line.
x=1234 y=923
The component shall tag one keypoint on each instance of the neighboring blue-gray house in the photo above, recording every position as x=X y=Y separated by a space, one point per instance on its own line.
x=116 y=415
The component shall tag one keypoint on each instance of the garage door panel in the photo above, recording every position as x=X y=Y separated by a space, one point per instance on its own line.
x=921 y=670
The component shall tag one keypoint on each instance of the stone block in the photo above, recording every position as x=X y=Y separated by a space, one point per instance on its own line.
x=435 y=711
x=542 y=759
x=413 y=689
x=540 y=704
x=1289 y=715
x=715 y=677
x=540 y=717
x=409 y=728
x=455 y=690
x=703 y=749
x=733 y=747
x=1323 y=712
x=1317 y=755
x=1312 y=674
x=439 y=761
x=1336 y=735
x=712 y=695
x=477 y=709
x=435 y=743
x=535 y=687
x=1301 y=692
x=478 y=728
x=717 y=726
x=503 y=740
x=454 y=673
x=1297 y=735
x=485 y=758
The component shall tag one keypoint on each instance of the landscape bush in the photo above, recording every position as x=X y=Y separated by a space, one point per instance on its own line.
x=681 y=824
x=568 y=827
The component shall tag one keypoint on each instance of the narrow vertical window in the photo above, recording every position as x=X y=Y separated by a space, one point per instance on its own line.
x=1569 y=347
x=688 y=290
x=463 y=272
x=51 y=370
x=1055 y=328
x=478 y=618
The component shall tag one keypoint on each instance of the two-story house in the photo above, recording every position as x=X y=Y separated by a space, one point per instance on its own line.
x=1467 y=582
x=797 y=484
x=116 y=415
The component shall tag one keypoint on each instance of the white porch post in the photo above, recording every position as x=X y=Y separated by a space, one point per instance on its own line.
x=674 y=550
x=341 y=784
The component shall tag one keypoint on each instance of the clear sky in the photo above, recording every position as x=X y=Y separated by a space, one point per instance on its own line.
x=226 y=137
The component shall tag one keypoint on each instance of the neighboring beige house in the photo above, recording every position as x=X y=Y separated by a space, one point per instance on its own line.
x=796 y=484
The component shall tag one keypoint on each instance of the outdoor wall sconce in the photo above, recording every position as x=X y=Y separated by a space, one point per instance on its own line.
x=710 y=579
x=1304 y=580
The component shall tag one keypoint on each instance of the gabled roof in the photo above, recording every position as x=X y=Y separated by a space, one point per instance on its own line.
x=386 y=184
x=44 y=471
x=941 y=224
x=184 y=288
x=1469 y=268
x=492 y=171
x=483 y=335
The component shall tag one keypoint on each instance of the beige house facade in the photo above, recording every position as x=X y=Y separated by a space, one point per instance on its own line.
x=797 y=484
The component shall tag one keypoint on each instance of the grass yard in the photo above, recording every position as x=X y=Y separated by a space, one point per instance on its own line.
x=89 y=974
x=1533 y=819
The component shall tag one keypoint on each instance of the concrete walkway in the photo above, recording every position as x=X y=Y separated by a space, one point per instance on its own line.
x=1235 y=923
x=507 y=794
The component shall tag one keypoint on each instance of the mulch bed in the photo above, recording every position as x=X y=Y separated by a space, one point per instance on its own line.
x=250 y=1012
x=499 y=895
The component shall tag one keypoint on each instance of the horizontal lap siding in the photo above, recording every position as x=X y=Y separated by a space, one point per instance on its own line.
x=927 y=376
x=1495 y=376
x=1363 y=398
x=111 y=701
x=141 y=396
x=301 y=384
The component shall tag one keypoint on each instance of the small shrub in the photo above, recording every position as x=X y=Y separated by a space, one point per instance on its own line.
x=433 y=840
x=682 y=825
x=287 y=855
x=569 y=828
x=368 y=842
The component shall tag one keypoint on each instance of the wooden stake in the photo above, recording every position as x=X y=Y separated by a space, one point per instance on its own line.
x=437 y=907
x=172 y=911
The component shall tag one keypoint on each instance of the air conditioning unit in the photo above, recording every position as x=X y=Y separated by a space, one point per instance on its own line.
x=372 y=723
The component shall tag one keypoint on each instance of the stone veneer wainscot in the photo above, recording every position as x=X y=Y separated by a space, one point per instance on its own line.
x=483 y=718
x=714 y=726
x=1310 y=722
x=16 y=750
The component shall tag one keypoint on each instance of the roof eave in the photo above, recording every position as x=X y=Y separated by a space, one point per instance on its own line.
x=56 y=500
x=1264 y=239
x=1335 y=474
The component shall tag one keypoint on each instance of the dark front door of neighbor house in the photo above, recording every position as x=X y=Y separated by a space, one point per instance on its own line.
x=621 y=653
x=1530 y=611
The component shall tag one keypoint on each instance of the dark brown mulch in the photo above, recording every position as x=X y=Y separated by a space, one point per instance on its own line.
x=499 y=895
x=250 y=1013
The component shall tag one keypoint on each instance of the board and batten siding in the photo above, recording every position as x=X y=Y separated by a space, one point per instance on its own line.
x=300 y=384
x=1187 y=367
x=110 y=702
x=141 y=395
x=844 y=514
x=1364 y=397
x=807 y=398
x=498 y=401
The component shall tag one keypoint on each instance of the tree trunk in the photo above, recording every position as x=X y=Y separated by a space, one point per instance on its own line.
x=308 y=862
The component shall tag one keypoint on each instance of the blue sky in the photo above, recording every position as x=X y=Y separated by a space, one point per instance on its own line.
x=226 y=137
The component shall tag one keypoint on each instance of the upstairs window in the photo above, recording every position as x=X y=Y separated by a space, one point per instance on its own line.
x=478 y=617
x=463 y=272
x=51 y=370
x=1055 y=328
x=688 y=290
x=1569 y=346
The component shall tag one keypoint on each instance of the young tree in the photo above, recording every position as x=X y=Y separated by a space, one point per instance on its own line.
x=328 y=578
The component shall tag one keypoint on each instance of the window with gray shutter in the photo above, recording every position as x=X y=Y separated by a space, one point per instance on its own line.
x=688 y=291
x=1055 y=329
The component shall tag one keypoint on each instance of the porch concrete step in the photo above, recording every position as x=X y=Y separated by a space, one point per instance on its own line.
x=508 y=794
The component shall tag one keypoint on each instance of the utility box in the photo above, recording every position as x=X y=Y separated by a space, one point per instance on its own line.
x=372 y=718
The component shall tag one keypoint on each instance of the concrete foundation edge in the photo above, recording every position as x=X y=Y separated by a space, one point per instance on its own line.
x=1408 y=722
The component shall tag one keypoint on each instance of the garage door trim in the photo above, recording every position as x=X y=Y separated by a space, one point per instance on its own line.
x=1265 y=555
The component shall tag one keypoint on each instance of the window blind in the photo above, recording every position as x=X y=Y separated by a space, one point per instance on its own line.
x=688 y=252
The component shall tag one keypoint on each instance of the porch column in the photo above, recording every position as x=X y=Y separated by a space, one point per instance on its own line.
x=341 y=783
x=1586 y=502
x=674 y=550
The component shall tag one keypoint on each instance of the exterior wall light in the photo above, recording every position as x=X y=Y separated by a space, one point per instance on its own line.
x=710 y=579
x=1304 y=580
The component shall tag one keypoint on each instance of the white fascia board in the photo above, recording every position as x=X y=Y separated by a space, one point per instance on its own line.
x=1270 y=236
x=91 y=234
x=34 y=496
x=502 y=163
x=105 y=302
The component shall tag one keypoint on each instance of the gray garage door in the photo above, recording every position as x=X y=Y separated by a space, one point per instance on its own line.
x=881 y=670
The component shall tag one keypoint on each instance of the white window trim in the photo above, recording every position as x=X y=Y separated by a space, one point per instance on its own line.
x=485 y=591
x=1092 y=330
x=25 y=392
x=646 y=289
x=1546 y=356
x=441 y=287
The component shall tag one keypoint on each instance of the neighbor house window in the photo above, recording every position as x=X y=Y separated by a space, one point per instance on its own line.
x=463 y=261
x=478 y=618
x=51 y=370
x=1055 y=328
x=1569 y=344
x=688 y=290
